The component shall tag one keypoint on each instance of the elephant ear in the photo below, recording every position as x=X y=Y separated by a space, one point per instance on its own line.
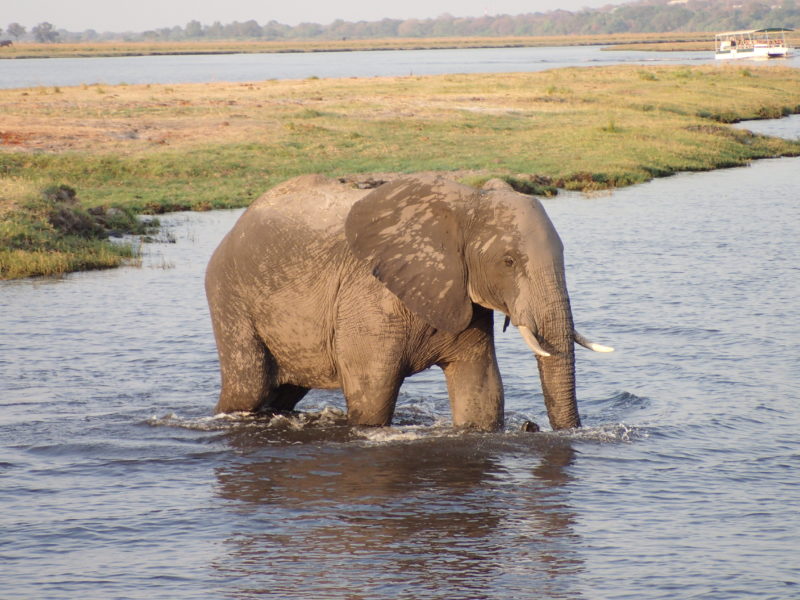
x=409 y=231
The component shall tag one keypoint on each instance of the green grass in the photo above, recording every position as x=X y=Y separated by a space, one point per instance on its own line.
x=49 y=233
x=151 y=149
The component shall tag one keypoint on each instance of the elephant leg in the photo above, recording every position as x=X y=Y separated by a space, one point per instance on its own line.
x=246 y=375
x=473 y=379
x=247 y=369
x=369 y=343
x=248 y=381
x=370 y=400
x=476 y=394
x=369 y=387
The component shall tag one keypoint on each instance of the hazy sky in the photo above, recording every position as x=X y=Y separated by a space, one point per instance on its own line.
x=139 y=15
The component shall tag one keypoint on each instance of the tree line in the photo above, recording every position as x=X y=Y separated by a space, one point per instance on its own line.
x=643 y=16
x=43 y=32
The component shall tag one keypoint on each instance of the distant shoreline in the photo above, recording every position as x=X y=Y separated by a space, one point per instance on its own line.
x=646 y=41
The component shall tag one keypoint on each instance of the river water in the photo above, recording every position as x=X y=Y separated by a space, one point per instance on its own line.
x=116 y=481
x=258 y=67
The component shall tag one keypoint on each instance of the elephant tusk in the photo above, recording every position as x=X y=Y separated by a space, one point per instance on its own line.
x=532 y=342
x=586 y=343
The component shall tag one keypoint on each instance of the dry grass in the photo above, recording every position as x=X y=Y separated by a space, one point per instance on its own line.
x=705 y=44
x=546 y=106
x=28 y=50
x=700 y=43
x=155 y=148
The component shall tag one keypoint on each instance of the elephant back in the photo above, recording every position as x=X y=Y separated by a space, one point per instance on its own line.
x=315 y=202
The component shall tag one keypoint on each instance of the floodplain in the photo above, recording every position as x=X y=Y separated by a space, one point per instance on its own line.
x=151 y=149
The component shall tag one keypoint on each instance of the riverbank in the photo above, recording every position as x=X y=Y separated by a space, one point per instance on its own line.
x=157 y=148
x=701 y=44
x=47 y=231
x=107 y=49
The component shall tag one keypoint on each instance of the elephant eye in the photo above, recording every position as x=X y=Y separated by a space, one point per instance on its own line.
x=508 y=261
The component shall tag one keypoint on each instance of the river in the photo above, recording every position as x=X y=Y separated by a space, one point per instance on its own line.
x=259 y=67
x=116 y=481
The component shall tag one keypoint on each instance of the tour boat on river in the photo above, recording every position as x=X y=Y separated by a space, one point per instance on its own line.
x=752 y=43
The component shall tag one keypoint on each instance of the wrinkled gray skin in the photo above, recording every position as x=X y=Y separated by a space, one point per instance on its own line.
x=319 y=285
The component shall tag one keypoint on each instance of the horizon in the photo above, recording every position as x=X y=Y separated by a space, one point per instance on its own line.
x=82 y=15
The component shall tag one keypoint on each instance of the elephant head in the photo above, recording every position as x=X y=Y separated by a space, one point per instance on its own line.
x=441 y=246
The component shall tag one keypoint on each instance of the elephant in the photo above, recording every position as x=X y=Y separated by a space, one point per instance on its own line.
x=320 y=285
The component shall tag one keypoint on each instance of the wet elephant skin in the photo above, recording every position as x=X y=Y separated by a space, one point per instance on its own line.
x=319 y=285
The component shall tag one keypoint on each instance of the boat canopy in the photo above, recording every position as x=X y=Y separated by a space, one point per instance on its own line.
x=750 y=31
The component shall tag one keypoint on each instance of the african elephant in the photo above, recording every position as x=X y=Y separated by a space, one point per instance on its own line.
x=320 y=285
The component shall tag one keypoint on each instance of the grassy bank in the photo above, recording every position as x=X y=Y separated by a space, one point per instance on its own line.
x=46 y=231
x=27 y=50
x=157 y=148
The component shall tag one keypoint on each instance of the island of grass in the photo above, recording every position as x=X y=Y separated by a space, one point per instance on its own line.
x=200 y=47
x=148 y=149
x=656 y=42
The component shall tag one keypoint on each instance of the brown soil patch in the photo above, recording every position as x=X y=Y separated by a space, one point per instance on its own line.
x=12 y=138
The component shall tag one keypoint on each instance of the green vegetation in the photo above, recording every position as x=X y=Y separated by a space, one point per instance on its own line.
x=49 y=232
x=150 y=149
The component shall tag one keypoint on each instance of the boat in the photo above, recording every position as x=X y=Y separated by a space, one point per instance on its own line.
x=752 y=43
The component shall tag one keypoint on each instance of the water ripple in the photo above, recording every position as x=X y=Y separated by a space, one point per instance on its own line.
x=115 y=481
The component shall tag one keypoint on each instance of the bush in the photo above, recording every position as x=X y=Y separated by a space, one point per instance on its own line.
x=51 y=233
x=73 y=220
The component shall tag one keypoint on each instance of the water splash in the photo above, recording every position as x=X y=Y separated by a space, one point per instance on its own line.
x=327 y=417
x=390 y=435
x=330 y=425
x=609 y=433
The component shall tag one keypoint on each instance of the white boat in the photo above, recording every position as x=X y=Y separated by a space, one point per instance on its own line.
x=752 y=43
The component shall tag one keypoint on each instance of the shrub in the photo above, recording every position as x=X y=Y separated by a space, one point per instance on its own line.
x=51 y=233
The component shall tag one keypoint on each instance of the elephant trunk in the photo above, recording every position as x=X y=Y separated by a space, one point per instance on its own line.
x=557 y=374
x=557 y=366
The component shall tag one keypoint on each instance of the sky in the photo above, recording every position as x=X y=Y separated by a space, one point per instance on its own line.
x=141 y=15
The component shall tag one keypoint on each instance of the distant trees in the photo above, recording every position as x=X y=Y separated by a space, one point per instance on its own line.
x=194 y=29
x=249 y=29
x=44 y=33
x=276 y=31
x=656 y=16
x=16 y=30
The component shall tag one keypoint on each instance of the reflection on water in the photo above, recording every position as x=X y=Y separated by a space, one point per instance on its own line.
x=426 y=519
x=117 y=482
